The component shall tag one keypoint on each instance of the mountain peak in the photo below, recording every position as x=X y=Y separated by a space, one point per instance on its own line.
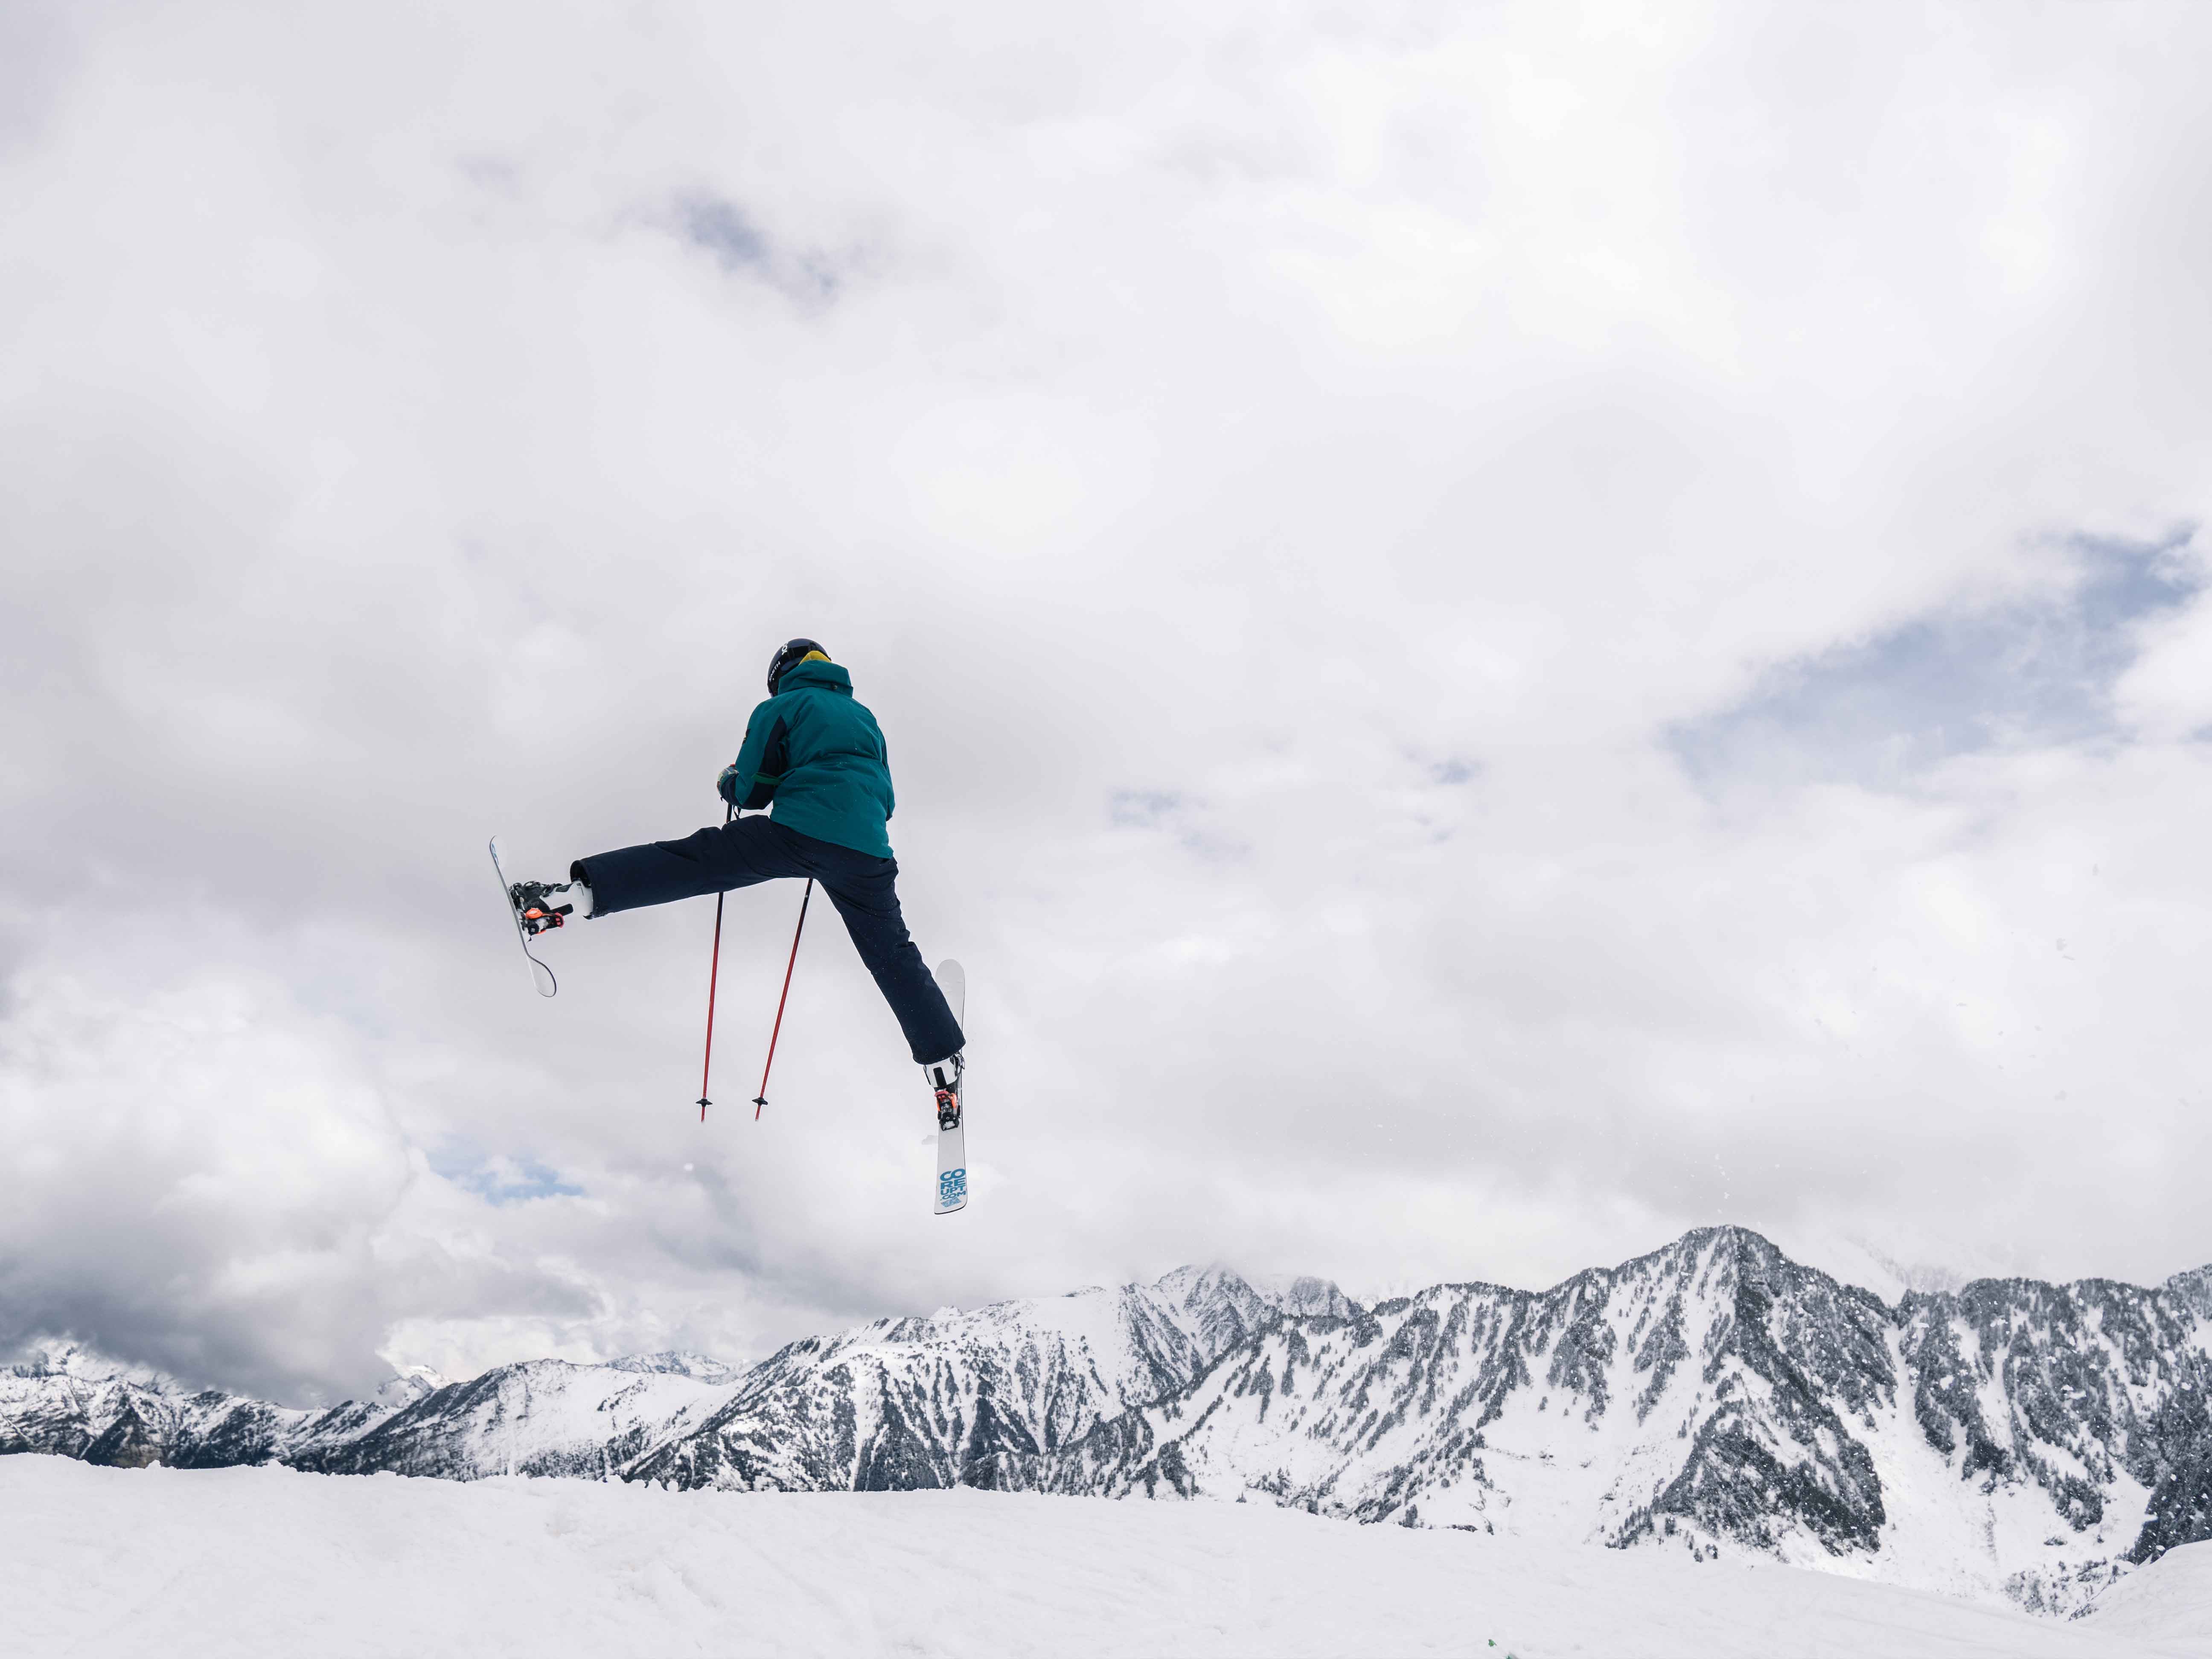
x=63 y=1357
x=677 y=1362
x=1297 y=1295
x=1712 y=1396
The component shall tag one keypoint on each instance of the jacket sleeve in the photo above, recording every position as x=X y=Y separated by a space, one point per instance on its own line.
x=751 y=782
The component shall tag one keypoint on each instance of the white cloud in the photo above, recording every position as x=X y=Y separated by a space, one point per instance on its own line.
x=1371 y=440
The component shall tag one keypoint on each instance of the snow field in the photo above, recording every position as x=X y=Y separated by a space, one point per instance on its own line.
x=2169 y=1601
x=252 y=1562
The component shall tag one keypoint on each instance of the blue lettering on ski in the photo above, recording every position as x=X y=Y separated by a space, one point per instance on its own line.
x=951 y=1185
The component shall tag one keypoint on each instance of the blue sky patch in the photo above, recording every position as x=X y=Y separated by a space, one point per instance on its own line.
x=726 y=233
x=499 y=1179
x=2024 y=673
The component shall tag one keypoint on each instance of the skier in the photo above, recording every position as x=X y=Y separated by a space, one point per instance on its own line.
x=816 y=758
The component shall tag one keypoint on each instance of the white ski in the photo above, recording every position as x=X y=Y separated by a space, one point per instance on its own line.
x=547 y=985
x=952 y=1144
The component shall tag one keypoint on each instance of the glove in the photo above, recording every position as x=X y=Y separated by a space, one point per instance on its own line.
x=726 y=785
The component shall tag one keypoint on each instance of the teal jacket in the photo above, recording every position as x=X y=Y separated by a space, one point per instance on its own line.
x=815 y=757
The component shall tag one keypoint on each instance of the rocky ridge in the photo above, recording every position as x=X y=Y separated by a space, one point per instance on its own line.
x=2010 y=1438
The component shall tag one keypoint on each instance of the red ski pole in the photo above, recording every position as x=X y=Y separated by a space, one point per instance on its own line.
x=714 y=973
x=761 y=1099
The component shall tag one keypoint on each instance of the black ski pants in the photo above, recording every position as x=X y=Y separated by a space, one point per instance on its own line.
x=862 y=886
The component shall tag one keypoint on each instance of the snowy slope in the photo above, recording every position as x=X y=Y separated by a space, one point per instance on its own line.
x=1714 y=1396
x=65 y=1400
x=252 y=1562
x=899 y=1403
x=2009 y=1440
x=915 y=1403
x=2168 y=1602
x=543 y=1417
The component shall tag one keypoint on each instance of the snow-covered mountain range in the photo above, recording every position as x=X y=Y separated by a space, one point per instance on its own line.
x=2011 y=1437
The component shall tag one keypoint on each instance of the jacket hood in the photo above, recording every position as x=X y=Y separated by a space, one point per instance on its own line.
x=823 y=676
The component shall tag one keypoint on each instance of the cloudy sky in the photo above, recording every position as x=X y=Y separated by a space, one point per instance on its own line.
x=1504 y=629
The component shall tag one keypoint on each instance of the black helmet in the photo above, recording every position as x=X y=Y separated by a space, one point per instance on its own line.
x=794 y=651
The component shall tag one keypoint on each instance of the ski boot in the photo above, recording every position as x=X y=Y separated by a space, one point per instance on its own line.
x=945 y=1076
x=534 y=912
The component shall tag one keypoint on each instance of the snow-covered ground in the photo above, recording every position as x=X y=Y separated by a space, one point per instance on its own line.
x=267 y=1561
x=2169 y=1601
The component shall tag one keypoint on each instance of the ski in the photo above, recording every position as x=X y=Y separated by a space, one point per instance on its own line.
x=952 y=1143
x=547 y=985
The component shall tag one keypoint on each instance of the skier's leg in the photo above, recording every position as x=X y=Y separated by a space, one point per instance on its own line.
x=864 y=889
x=713 y=861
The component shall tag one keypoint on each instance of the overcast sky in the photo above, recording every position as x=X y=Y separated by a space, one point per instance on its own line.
x=1504 y=629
